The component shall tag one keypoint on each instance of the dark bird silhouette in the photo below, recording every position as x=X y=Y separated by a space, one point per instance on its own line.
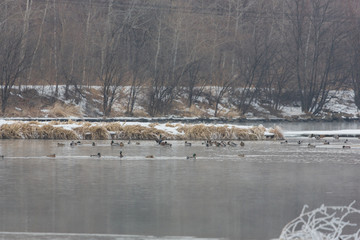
x=96 y=155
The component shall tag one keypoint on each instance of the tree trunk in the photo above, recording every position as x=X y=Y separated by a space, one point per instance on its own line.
x=37 y=43
x=55 y=50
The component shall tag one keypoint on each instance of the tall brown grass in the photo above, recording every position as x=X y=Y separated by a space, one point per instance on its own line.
x=103 y=131
x=21 y=130
x=277 y=131
x=63 y=110
x=203 y=132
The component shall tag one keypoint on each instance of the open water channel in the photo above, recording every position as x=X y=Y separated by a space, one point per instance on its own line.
x=218 y=195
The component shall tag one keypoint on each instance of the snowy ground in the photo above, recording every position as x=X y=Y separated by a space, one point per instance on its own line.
x=340 y=103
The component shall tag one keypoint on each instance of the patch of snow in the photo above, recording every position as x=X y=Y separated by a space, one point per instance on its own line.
x=210 y=111
x=249 y=114
x=335 y=132
x=18 y=109
x=291 y=111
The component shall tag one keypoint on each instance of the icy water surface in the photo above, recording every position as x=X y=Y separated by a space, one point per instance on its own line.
x=219 y=195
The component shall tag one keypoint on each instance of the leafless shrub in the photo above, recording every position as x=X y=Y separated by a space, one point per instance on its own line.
x=324 y=223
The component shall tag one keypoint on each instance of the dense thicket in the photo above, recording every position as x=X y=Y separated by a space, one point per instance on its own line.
x=270 y=51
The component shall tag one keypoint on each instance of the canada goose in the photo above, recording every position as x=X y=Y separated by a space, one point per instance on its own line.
x=78 y=143
x=159 y=140
x=129 y=142
x=187 y=144
x=2 y=156
x=51 y=155
x=346 y=141
x=114 y=143
x=311 y=146
x=242 y=144
x=72 y=144
x=220 y=144
x=191 y=157
x=121 y=144
x=346 y=147
x=137 y=143
x=96 y=155
x=326 y=142
x=94 y=144
x=61 y=144
x=165 y=144
x=232 y=144
x=284 y=142
x=150 y=156
x=300 y=142
x=121 y=155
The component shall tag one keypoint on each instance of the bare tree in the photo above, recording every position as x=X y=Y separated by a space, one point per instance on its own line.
x=13 y=54
x=317 y=32
x=38 y=41
x=137 y=40
x=12 y=62
x=222 y=82
x=353 y=50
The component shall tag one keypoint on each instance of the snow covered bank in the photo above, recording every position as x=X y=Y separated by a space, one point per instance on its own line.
x=131 y=130
x=338 y=133
x=40 y=101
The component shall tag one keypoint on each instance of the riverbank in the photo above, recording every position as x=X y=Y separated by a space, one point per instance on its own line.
x=42 y=102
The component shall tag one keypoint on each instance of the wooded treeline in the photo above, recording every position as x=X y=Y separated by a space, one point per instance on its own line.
x=270 y=51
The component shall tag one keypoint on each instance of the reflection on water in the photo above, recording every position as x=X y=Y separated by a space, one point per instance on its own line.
x=220 y=195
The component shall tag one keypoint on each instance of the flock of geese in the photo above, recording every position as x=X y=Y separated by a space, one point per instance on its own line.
x=209 y=143
x=160 y=142
x=320 y=139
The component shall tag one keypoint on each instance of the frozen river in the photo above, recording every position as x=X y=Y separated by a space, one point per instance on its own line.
x=219 y=195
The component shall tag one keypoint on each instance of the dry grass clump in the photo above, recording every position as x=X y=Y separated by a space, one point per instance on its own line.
x=60 y=133
x=34 y=122
x=51 y=132
x=232 y=113
x=115 y=127
x=11 y=131
x=258 y=131
x=135 y=132
x=138 y=132
x=62 y=110
x=21 y=130
x=198 y=131
x=54 y=123
x=277 y=131
x=196 y=111
x=243 y=134
x=203 y=132
x=169 y=125
x=152 y=125
x=99 y=133
x=33 y=130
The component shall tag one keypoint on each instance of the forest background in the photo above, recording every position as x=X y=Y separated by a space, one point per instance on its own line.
x=161 y=55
